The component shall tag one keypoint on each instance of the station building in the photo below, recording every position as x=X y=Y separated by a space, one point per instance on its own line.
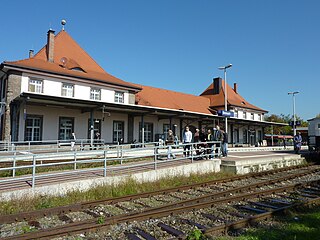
x=61 y=89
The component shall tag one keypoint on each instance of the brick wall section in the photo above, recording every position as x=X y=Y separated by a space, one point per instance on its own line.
x=50 y=45
x=13 y=91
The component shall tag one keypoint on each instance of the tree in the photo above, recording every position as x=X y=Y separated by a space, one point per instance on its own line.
x=286 y=130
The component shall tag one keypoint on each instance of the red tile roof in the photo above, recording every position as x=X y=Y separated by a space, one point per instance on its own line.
x=162 y=98
x=234 y=99
x=69 y=55
x=75 y=58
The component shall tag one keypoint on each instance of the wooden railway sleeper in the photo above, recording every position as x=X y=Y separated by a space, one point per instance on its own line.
x=263 y=204
x=173 y=231
x=195 y=224
x=252 y=209
x=132 y=236
x=145 y=235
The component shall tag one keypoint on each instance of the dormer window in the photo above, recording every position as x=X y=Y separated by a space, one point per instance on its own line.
x=118 y=97
x=78 y=69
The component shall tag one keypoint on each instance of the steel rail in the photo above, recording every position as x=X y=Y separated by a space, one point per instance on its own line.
x=151 y=213
x=91 y=225
x=224 y=228
x=28 y=216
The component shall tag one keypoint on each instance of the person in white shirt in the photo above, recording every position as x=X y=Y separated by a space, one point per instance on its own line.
x=187 y=139
x=73 y=141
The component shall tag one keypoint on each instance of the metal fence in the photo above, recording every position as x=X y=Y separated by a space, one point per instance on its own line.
x=30 y=166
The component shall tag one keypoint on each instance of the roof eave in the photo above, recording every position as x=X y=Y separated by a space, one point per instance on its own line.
x=21 y=68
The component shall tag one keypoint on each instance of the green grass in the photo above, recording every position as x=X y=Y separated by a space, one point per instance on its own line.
x=102 y=192
x=300 y=224
x=63 y=167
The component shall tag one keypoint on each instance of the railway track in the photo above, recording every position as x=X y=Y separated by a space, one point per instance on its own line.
x=157 y=208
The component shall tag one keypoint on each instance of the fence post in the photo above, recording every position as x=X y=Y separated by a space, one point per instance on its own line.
x=14 y=164
x=191 y=152
x=118 y=150
x=156 y=149
x=29 y=146
x=75 y=160
x=34 y=162
x=105 y=163
x=121 y=154
x=57 y=146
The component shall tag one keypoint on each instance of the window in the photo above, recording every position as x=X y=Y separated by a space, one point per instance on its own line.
x=118 y=130
x=245 y=136
x=35 y=85
x=259 y=117
x=67 y=90
x=251 y=116
x=148 y=132
x=259 y=135
x=236 y=135
x=166 y=128
x=66 y=126
x=33 y=128
x=245 y=115
x=236 y=114
x=95 y=94
x=118 y=97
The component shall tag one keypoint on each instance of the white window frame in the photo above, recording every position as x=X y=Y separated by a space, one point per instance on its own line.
x=35 y=129
x=67 y=90
x=35 y=85
x=119 y=97
x=259 y=117
x=118 y=131
x=95 y=94
x=245 y=115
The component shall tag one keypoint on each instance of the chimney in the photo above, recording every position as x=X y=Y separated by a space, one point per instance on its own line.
x=50 y=45
x=217 y=83
x=31 y=53
x=235 y=87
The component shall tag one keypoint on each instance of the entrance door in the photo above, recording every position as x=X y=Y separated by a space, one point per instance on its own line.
x=96 y=127
x=252 y=137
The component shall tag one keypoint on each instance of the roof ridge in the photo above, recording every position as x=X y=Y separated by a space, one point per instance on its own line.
x=168 y=90
x=67 y=34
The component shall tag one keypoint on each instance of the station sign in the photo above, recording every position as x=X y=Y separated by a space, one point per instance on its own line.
x=225 y=113
x=298 y=123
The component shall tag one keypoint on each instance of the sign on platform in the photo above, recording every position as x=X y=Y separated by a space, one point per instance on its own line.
x=225 y=113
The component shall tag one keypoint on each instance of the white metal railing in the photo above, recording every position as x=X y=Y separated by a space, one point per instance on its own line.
x=34 y=166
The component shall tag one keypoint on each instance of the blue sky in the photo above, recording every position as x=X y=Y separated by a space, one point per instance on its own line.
x=274 y=45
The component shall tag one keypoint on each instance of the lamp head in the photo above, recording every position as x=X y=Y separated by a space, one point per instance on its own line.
x=225 y=67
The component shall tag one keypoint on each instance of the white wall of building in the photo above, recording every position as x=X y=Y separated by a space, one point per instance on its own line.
x=52 y=87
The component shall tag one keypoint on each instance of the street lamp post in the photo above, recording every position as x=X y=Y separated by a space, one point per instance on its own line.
x=294 y=111
x=225 y=93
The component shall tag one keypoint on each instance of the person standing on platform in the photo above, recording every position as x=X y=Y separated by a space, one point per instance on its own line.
x=187 y=139
x=297 y=143
x=210 y=145
x=73 y=141
x=169 y=143
x=196 y=140
x=224 y=143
